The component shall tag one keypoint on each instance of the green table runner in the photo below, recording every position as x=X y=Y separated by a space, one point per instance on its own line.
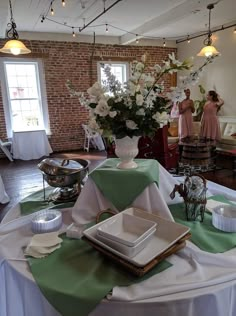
x=120 y=186
x=35 y=202
x=75 y=278
x=205 y=235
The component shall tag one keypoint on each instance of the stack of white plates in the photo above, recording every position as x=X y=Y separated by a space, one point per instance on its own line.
x=126 y=233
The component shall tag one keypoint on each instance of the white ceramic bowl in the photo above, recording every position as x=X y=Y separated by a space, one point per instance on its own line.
x=126 y=250
x=127 y=229
x=46 y=221
x=224 y=218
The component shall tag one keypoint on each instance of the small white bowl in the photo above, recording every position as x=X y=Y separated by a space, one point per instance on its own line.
x=224 y=218
x=127 y=229
x=126 y=250
x=46 y=221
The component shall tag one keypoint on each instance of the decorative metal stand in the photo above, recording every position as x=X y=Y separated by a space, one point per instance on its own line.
x=193 y=191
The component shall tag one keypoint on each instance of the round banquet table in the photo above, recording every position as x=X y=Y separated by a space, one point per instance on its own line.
x=198 y=283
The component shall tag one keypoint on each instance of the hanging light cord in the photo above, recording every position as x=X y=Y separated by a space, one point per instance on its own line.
x=12 y=32
x=208 y=40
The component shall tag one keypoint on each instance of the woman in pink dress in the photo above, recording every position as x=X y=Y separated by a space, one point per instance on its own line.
x=186 y=108
x=210 y=128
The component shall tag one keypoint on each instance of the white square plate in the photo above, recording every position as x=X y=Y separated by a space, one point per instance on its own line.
x=167 y=234
x=126 y=229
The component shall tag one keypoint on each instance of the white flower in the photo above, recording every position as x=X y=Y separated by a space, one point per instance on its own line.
x=131 y=124
x=96 y=90
x=144 y=58
x=161 y=118
x=140 y=112
x=93 y=124
x=112 y=114
x=139 y=99
x=102 y=108
x=139 y=67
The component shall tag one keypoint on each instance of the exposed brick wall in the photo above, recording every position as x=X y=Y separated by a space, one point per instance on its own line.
x=65 y=60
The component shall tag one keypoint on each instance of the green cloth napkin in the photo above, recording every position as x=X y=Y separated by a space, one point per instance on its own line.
x=121 y=187
x=75 y=278
x=204 y=234
x=35 y=202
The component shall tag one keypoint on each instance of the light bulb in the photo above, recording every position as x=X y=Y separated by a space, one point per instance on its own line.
x=208 y=54
x=15 y=50
x=235 y=30
x=106 y=28
x=137 y=40
x=63 y=3
x=52 y=11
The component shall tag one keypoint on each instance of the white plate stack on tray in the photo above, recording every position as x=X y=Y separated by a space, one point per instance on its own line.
x=136 y=237
x=126 y=233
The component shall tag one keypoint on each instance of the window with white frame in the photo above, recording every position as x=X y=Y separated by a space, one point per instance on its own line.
x=119 y=69
x=24 y=97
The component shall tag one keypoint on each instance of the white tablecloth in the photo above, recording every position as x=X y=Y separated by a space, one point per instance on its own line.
x=91 y=200
x=198 y=283
x=3 y=195
x=30 y=145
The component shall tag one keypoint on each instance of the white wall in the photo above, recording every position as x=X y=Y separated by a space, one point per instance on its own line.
x=221 y=74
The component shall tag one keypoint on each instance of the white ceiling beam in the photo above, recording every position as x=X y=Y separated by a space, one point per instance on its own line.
x=4 y=17
x=173 y=15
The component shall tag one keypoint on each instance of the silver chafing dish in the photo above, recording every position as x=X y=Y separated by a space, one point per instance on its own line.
x=65 y=175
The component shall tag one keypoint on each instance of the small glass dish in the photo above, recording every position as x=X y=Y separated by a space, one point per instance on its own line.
x=46 y=221
x=224 y=218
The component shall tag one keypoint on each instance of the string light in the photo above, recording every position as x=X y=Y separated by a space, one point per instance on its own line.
x=73 y=32
x=188 y=39
x=63 y=3
x=42 y=19
x=52 y=11
x=106 y=28
x=164 y=42
x=137 y=40
x=235 y=30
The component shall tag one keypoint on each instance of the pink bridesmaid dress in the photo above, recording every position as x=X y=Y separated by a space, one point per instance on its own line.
x=185 y=121
x=210 y=127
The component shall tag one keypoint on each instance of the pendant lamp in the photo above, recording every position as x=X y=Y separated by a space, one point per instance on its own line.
x=208 y=50
x=13 y=46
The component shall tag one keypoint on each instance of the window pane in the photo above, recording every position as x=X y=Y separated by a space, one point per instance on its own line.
x=22 y=80
x=119 y=70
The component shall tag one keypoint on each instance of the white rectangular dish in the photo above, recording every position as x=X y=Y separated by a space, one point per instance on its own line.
x=126 y=250
x=127 y=229
x=167 y=234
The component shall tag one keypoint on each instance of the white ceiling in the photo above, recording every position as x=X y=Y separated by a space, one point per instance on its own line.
x=170 y=19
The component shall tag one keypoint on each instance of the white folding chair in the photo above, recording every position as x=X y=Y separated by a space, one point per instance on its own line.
x=92 y=137
x=4 y=147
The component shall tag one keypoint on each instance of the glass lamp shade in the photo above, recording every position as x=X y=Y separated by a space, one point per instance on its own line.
x=15 y=47
x=208 y=51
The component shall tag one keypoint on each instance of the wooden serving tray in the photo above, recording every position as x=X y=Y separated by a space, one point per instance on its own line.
x=168 y=238
x=140 y=271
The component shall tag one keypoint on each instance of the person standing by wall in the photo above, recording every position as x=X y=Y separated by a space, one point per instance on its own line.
x=186 y=108
x=210 y=128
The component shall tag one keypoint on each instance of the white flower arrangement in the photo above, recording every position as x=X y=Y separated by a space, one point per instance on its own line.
x=139 y=108
x=177 y=93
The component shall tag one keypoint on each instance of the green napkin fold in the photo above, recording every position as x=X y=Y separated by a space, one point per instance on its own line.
x=121 y=187
x=75 y=278
x=204 y=234
x=35 y=202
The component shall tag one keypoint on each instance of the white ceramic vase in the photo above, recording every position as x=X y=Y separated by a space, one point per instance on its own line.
x=127 y=150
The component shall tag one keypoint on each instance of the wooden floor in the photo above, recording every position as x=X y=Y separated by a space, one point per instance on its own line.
x=23 y=177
